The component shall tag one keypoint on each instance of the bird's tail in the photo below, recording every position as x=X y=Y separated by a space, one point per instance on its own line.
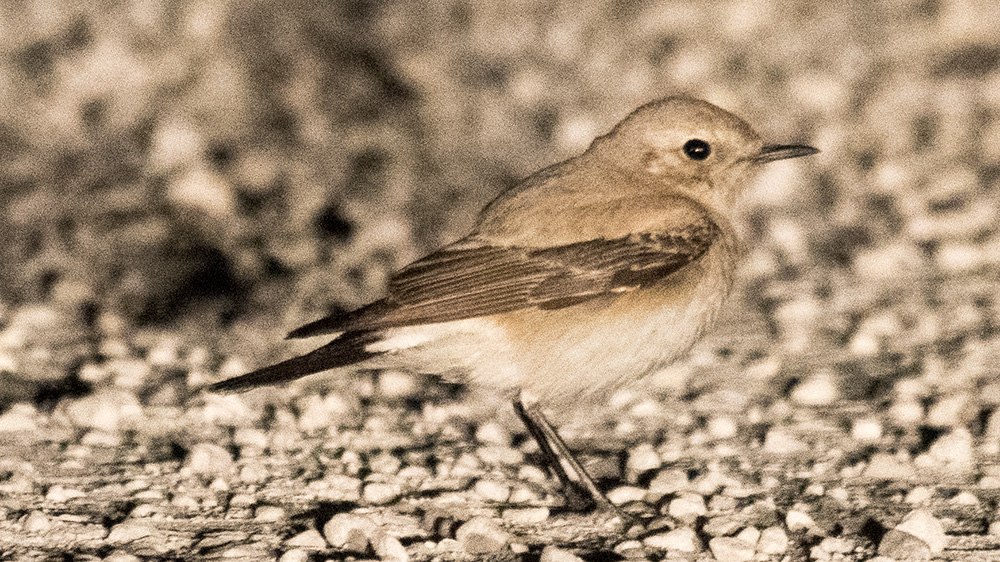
x=345 y=350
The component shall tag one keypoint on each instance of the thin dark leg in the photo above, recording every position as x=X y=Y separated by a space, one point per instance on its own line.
x=559 y=456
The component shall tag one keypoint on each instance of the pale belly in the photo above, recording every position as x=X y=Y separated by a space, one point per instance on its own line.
x=556 y=355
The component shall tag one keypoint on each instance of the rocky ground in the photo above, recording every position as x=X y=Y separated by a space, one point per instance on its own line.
x=182 y=182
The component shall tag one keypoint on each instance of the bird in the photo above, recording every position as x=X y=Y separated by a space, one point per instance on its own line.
x=587 y=276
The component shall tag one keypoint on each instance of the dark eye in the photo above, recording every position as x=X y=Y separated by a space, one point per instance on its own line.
x=697 y=149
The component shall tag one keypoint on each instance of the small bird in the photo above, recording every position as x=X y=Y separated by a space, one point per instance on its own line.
x=588 y=275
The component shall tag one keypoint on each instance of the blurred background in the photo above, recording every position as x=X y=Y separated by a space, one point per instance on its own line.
x=181 y=181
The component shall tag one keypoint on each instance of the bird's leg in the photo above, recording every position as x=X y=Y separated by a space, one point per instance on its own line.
x=561 y=460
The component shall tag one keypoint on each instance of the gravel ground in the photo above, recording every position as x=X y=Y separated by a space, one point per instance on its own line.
x=182 y=182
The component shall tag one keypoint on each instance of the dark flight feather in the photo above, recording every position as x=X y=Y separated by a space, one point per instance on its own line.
x=459 y=281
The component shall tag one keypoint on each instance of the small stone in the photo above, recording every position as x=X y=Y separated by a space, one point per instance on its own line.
x=388 y=548
x=836 y=545
x=108 y=410
x=480 y=535
x=750 y=535
x=866 y=429
x=492 y=433
x=348 y=532
x=208 y=459
x=519 y=548
x=128 y=531
x=797 y=520
x=59 y=494
x=994 y=529
x=773 y=540
x=818 y=389
x=642 y=458
x=269 y=513
x=687 y=507
x=884 y=466
x=721 y=526
x=778 y=441
x=524 y=494
x=121 y=557
x=965 y=498
x=669 y=481
x=310 y=540
x=730 y=549
x=953 y=450
x=36 y=522
x=526 y=515
x=385 y=463
x=900 y=545
x=492 y=490
x=721 y=427
x=555 y=554
x=20 y=418
x=295 y=555
x=625 y=494
x=380 y=493
x=631 y=549
x=919 y=495
x=922 y=523
x=682 y=539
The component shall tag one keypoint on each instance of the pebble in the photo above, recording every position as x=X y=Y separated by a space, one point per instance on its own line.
x=818 y=389
x=128 y=531
x=105 y=410
x=555 y=554
x=36 y=522
x=388 y=548
x=919 y=495
x=721 y=526
x=526 y=515
x=59 y=494
x=687 y=507
x=834 y=545
x=883 y=466
x=730 y=549
x=385 y=463
x=208 y=459
x=625 y=494
x=918 y=536
x=631 y=549
x=295 y=555
x=492 y=490
x=797 y=520
x=965 y=498
x=19 y=418
x=778 y=441
x=642 y=458
x=682 y=539
x=269 y=513
x=492 y=433
x=669 y=481
x=310 y=539
x=953 y=450
x=866 y=429
x=948 y=411
x=380 y=493
x=750 y=535
x=347 y=531
x=121 y=557
x=480 y=535
x=773 y=540
x=994 y=529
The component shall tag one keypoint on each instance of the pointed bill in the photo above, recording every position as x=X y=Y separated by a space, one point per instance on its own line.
x=772 y=152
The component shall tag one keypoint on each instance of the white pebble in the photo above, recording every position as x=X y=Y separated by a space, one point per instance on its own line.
x=682 y=539
x=797 y=520
x=866 y=429
x=555 y=554
x=687 y=507
x=625 y=494
x=350 y=532
x=492 y=490
x=773 y=540
x=480 y=535
x=310 y=539
x=818 y=389
x=730 y=549
x=208 y=459
x=388 y=548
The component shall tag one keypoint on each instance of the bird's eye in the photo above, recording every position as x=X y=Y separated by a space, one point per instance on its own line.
x=697 y=149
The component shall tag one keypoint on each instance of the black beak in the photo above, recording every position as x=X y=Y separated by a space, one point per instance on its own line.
x=772 y=152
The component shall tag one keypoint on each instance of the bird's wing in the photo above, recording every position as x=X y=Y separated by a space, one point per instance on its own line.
x=468 y=280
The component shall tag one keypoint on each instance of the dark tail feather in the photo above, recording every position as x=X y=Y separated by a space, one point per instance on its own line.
x=345 y=350
x=365 y=318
